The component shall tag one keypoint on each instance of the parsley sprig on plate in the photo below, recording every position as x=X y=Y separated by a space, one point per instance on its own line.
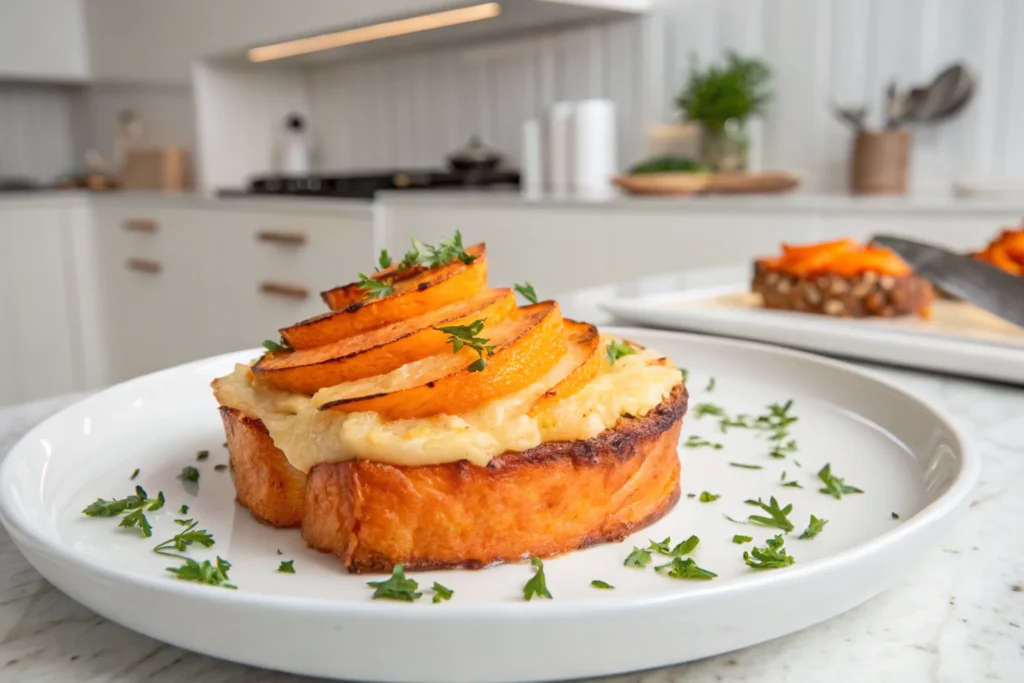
x=398 y=587
x=680 y=568
x=527 y=292
x=777 y=517
x=538 y=585
x=375 y=289
x=814 y=528
x=834 y=486
x=206 y=572
x=135 y=505
x=638 y=558
x=460 y=336
x=772 y=556
x=682 y=548
x=429 y=256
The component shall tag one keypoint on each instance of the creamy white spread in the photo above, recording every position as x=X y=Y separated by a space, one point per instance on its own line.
x=634 y=385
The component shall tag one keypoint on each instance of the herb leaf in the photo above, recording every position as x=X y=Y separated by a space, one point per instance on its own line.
x=683 y=548
x=538 y=585
x=686 y=569
x=444 y=253
x=745 y=466
x=188 y=536
x=814 y=528
x=397 y=587
x=638 y=558
x=202 y=455
x=617 y=349
x=706 y=497
x=189 y=473
x=793 y=484
x=183 y=510
x=375 y=289
x=772 y=556
x=137 y=518
x=778 y=516
x=740 y=540
x=686 y=374
x=385 y=259
x=711 y=385
x=441 y=593
x=704 y=409
x=527 y=292
x=834 y=486
x=598 y=583
x=286 y=567
x=134 y=474
x=277 y=346
x=694 y=441
x=460 y=336
x=205 y=573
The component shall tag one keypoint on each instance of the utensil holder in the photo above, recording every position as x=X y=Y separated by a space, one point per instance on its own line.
x=880 y=162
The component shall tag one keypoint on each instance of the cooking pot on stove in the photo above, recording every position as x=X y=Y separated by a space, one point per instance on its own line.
x=475 y=156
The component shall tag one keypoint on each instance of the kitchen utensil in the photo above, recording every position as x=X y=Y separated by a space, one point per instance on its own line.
x=905 y=454
x=297 y=150
x=475 y=156
x=963 y=277
x=948 y=93
x=595 y=148
x=880 y=162
x=854 y=116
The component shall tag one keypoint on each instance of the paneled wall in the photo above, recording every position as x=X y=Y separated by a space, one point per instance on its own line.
x=412 y=109
x=36 y=137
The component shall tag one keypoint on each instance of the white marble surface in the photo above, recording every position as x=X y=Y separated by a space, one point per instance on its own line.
x=958 y=619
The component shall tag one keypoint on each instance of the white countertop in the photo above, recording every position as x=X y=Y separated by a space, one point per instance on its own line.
x=958 y=619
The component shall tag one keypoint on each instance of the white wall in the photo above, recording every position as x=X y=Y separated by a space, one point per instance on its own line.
x=42 y=40
x=411 y=109
x=36 y=132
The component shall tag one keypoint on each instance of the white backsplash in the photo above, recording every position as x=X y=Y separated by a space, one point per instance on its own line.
x=413 y=108
x=36 y=139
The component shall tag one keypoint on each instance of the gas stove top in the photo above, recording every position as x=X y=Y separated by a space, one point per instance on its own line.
x=365 y=186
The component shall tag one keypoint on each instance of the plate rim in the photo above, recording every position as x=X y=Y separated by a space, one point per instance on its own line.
x=935 y=511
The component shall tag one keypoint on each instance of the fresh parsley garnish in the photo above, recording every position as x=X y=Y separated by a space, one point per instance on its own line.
x=135 y=505
x=704 y=409
x=375 y=289
x=277 y=346
x=711 y=385
x=444 y=253
x=740 y=540
x=793 y=484
x=286 y=567
x=638 y=558
x=745 y=466
x=772 y=556
x=527 y=292
x=598 y=583
x=694 y=441
x=707 y=497
x=220 y=468
x=202 y=455
x=183 y=510
x=397 y=587
x=385 y=259
x=189 y=473
x=686 y=374
x=617 y=349
x=834 y=486
x=538 y=585
x=780 y=450
x=814 y=528
x=188 y=536
x=777 y=518
x=441 y=593
x=137 y=518
x=466 y=336
x=134 y=474
x=686 y=569
x=683 y=548
x=894 y=515
x=205 y=573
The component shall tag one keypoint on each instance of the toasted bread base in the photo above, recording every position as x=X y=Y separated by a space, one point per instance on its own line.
x=857 y=296
x=554 y=498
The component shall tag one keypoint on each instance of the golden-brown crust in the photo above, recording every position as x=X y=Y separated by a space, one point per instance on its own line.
x=557 y=497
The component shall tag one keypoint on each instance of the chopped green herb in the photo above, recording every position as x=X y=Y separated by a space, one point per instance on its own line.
x=137 y=518
x=279 y=552
x=188 y=536
x=694 y=441
x=711 y=385
x=814 y=528
x=703 y=409
x=780 y=450
x=286 y=567
x=778 y=516
x=441 y=593
x=797 y=463
x=385 y=259
x=894 y=515
x=202 y=455
x=375 y=289
x=732 y=519
x=397 y=587
x=683 y=548
x=597 y=583
x=691 y=495
x=745 y=466
x=617 y=349
x=428 y=256
x=189 y=473
x=686 y=374
x=772 y=556
x=275 y=347
x=183 y=522
x=460 y=336
x=706 y=497
x=638 y=558
x=134 y=474
x=834 y=486
x=793 y=484
x=220 y=468
x=135 y=505
x=740 y=540
x=538 y=585
x=686 y=569
x=205 y=573
x=527 y=292
x=183 y=510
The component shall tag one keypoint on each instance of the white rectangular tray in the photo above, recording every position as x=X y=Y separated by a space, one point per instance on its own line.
x=960 y=340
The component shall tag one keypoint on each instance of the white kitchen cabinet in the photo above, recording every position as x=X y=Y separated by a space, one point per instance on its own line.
x=38 y=323
x=43 y=40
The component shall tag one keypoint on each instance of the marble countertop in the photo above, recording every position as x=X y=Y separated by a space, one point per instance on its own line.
x=958 y=619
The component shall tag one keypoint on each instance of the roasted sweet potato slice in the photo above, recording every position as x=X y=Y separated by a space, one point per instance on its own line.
x=526 y=345
x=584 y=343
x=340 y=298
x=382 y=350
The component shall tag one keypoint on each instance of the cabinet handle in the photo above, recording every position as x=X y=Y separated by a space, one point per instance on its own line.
x=285 y=290
x=287 y=237
x=140 y=225
x=144 y=265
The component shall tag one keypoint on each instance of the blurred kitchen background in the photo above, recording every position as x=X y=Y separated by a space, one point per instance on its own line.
x=180 y=178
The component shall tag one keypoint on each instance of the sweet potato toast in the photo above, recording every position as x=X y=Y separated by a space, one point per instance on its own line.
x=551 y=499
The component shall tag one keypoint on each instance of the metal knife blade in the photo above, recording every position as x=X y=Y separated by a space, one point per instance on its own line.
x=962 y=276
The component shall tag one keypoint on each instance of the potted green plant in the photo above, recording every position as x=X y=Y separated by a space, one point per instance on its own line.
x=721 y=99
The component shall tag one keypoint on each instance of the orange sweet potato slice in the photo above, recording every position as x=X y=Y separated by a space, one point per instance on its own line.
x=413 y=296
x=584 y=344
x=526 y=345
x=382 y=350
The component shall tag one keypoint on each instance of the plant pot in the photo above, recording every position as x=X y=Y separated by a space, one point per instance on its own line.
x=880 y=162
x=725 y=148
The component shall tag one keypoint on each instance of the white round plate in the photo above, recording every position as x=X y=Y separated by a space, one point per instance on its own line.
x=907 y=457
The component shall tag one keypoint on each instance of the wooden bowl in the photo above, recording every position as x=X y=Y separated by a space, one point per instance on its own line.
x=762 y=182
x=664 y=184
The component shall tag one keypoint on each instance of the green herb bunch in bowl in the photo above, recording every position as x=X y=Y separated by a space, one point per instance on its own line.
x=722 y=98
